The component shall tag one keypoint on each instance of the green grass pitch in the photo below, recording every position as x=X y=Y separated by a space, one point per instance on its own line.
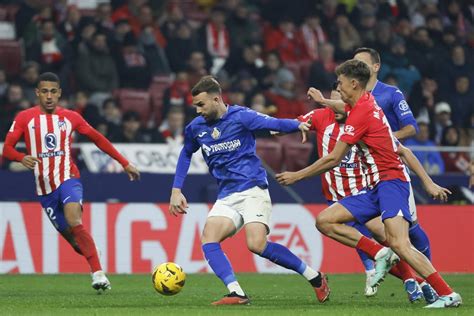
x=270 y=294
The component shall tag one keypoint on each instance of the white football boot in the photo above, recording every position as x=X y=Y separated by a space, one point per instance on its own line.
x=370 y=290
x=100 y=281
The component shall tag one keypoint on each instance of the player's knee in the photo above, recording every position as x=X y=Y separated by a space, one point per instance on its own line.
x=323 y=224
x=400 y=245
x=256 y=244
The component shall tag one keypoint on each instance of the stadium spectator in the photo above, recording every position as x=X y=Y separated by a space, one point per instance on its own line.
x=454 y=161
x=131 y=129
x=258 y=102
x=3 y=82
x=172 y=128
x=9 y=106
x=214 y=39
x=196 y=67
x=243 y=27
x=284 y=97
x=287 y=41
x=69 y=28
x=112 y=116
x=431 y=160
x=133 y=68
x=28 y=80
x=103 y=17
x=96 y=72
x=313 y=35
x=397 y=62
x=346 y=38
x=180 y=46
x=462 y=100
x=442 y=119
x=322 y=73
x=273 y=64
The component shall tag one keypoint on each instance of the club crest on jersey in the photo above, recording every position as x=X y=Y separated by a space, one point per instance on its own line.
x=216 y=133
x=50 y=141
x=349 y=130
x=62 y=126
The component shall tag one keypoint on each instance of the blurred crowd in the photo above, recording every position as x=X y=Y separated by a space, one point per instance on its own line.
x=128 y=66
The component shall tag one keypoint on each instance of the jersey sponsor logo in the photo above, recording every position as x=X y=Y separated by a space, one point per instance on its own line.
x=216 y=133
x=51 y=154
x=349 y=130
x=12 y=128
x=202 y=134
x=225 y=146
x=403 y=105
x=50 y=141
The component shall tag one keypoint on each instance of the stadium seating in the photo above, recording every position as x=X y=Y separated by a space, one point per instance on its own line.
x=270 y=152
x=157 y=89
x=134 y=100
x=11 y=56
x=296 y=155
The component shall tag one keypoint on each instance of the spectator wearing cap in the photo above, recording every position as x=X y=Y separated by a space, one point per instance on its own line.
x=28 y=80
x=454 y=161
x=431 y=160
x=131 y=129
x=442 y=119
x=283 y=96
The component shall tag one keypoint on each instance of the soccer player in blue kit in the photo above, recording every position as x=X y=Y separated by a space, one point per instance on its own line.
x=403 y=125
x=225 y=135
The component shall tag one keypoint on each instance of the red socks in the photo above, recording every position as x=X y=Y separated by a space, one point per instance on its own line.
x=403 y=271
x=438 y=284
x=87 y=246
x=369 y=246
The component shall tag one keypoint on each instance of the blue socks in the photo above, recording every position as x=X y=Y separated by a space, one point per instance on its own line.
x=218 y=261
x=420 y=240
x=282 y=256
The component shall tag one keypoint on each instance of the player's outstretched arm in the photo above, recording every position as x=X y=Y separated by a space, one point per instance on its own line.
x=321 y=165
x=317 y=96
x=405 y=132
x=178 y=203
x=435 y=191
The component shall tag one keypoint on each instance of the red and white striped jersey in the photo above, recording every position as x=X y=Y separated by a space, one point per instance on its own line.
x=348 y=178
x=367 y=126
x=49 y=138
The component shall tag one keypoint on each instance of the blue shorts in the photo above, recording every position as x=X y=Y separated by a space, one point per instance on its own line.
x=360 y=227
x=388 y=199
x=53 y=203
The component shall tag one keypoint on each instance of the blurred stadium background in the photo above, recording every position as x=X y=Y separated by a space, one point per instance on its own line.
x=128 y=66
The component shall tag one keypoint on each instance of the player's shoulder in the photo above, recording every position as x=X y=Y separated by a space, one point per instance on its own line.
x=27 y=114
x=387 y=88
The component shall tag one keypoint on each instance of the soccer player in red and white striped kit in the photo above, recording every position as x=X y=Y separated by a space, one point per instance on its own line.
x=47 y=130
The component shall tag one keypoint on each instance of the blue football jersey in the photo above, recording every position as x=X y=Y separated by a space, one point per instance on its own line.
x=229 y=148
x=394 y=106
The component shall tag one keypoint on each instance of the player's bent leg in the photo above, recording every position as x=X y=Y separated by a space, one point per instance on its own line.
x=397 y=236
x=217 y=229
x=368 y=263
x=256 y=234
x=331 y=222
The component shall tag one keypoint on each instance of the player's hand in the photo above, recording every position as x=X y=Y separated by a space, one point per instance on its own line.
x=30 y=162
x=178 y=203
x=304 y=128
x=133 y=173
x=287 y=178
x=316 y=95
x=437 y=192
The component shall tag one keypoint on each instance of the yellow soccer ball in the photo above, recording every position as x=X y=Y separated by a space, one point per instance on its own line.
x=168 y=278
